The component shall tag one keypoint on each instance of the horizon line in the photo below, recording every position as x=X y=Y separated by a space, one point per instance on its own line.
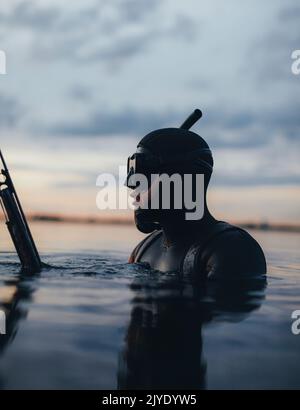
x=261 y=225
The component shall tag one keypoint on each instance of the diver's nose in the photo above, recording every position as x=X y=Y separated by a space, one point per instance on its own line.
x=127 y=181
x=134 y=195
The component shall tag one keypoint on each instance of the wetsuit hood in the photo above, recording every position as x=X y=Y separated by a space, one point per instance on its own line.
x=169 y=150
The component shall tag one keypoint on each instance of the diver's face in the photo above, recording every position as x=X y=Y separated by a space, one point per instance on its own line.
x=144 y=193
x=146 y=219
x=170 y=192
x=161 y=205
x=160 y=193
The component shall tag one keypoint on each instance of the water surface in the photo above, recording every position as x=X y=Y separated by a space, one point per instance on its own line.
x=91 y=321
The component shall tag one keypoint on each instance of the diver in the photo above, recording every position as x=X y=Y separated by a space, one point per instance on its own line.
x=202 y=249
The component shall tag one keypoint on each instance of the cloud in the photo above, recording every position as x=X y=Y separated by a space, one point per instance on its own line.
x=27 y=14
x=249 y=128
x=10 y=113
x=127 y=123
x=109 y=32
x=58 y=49
x=273 y=164
x=80 y=93
x=223 y=127
x=271 y=54
x=255 y=180
x=290 y=13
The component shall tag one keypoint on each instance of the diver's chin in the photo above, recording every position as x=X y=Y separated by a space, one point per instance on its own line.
x=145 y=220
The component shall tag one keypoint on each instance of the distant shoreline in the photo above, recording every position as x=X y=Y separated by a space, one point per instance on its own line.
x=128 y=221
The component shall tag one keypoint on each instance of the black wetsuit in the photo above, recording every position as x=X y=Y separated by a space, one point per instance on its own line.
x=220 y=250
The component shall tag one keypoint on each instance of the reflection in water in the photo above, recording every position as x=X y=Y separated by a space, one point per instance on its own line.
x=163 y=343
x=13 y=296
x=164 y=340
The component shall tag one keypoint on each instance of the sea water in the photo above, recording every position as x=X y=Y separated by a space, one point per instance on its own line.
x=91 y=321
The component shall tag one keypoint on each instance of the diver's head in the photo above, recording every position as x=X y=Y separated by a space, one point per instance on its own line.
x=169 y=152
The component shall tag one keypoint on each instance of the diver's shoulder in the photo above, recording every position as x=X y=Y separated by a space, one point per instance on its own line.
x=229 y=251
x=143 y=245
x=230 y=239
x=234 y=234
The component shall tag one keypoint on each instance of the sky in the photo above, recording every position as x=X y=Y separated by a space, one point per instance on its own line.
x=87 y=79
